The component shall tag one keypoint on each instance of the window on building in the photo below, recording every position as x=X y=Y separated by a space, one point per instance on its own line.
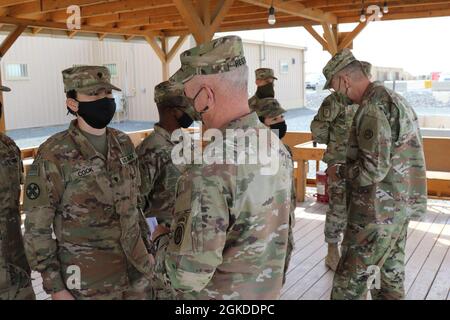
x=284 y=66
x=16 y=71
x=112 y=67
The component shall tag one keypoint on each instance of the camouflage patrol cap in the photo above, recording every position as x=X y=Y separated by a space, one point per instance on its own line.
x=217 y=56
x=268 y=108
x=171 y=94
x=264 y=73
x=341 y=60
x=87 y=79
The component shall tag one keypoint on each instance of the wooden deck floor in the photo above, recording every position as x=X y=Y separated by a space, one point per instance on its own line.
x=427 y=256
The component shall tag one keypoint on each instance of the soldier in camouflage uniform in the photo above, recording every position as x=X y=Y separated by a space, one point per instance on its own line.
x=264 y=79
x=271 y=114
x=159 y=175
x=15 y=273
x=331 y=126
x=386 y=183
x=230 y=233
x=86 y=193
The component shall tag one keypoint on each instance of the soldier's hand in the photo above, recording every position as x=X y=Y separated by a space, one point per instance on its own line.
x=331 y=172
x=160 y=230
x=62 y=295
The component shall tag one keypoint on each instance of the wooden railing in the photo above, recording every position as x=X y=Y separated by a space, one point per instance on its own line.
x=437 y=156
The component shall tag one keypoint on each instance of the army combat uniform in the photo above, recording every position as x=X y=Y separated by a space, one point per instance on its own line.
x=89 y=201
x=15 y=273
x=331 y=126
x=159 y=175
x=386 y=175
x=270 y=108
x=230 y=234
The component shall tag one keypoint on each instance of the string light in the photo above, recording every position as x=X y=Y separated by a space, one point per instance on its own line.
x=272 y=20
x=362 y=17
x=385 y=7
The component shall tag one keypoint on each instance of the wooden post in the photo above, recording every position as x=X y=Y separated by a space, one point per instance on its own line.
x=165 y=64
x=199 y=20
x=164 y=54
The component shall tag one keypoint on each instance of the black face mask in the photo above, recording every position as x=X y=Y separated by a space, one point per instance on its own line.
x=281 y=127
x=266 y=91
x=98 y=114
x=185 y=121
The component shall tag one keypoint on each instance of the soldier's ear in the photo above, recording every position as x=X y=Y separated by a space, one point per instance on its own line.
x=72 y=104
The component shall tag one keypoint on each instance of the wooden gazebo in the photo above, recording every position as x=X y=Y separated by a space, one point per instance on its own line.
x=158 y=20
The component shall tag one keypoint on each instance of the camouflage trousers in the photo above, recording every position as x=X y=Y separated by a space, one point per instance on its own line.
x=139 y=288
x=374 y=260
x=336 y=216
x=290 y=247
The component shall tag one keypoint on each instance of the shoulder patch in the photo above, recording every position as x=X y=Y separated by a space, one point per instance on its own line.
x=33 y=191
x=179 y=233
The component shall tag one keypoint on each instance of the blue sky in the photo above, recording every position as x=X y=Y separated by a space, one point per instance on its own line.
x=419 y=46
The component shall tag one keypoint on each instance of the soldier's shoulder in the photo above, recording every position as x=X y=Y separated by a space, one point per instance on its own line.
x=153 y=143
x=57 y=143
x=122 y=137
x=8 y=141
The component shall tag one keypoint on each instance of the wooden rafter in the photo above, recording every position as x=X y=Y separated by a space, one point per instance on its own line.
x=200 y=25
x=84 y=28
x=317 y=36
x=330 y=37
x=351 y=36
x=163 y=52
x=12 y=37
x=296 y=9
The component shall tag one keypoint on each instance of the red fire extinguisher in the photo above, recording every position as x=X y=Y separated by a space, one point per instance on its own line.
x=322 y=187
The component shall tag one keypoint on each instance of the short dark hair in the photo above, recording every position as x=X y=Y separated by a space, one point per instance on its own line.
x=71 y=94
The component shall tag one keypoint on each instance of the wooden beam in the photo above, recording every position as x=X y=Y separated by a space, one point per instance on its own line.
x=35 y=31
x=317 y=36
x=72 y=34
x=84 y=28
x=181 y=39
x=219 y=15
x=101 y=36
x=12 y=37
x=331 y=40
x=159 y=52
x=296 y=9
x=192 y=20
x=352 y=35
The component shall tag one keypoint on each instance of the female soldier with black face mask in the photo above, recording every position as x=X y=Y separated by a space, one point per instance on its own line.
x=265 y=86
x=83 y=186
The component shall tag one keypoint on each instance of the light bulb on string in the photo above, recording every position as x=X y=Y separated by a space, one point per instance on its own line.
x=385 y=7
x=272 y=20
